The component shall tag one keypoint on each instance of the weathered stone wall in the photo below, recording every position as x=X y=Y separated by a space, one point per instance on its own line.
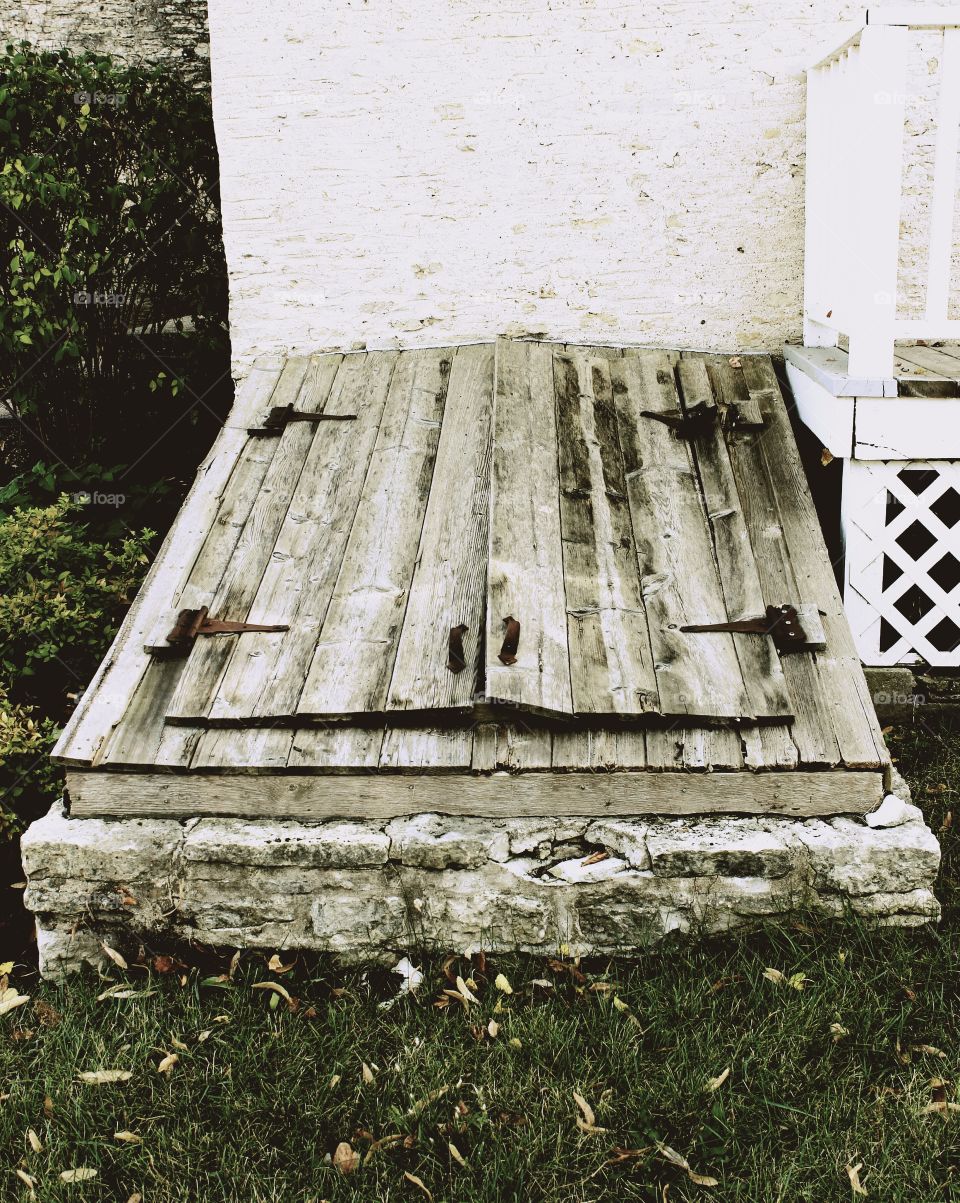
x=129 y=29
x=413 y=174
x=366 y=890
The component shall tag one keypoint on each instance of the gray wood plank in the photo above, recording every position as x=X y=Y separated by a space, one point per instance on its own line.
x=842 y=686
x=526 y=558
x=254 y=750
x=511 y=747
x=105 y=699
x=599 y=750
x=449 y=580
x=611 y=661
x=427 y=749
x=336 y=747
x=353 y=661
x=763 y=676
x=386 y=795
x=697 y=674
x=265 y=674
x=242 y=572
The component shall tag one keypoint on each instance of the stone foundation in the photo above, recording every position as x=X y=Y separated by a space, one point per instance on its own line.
x=367 y=890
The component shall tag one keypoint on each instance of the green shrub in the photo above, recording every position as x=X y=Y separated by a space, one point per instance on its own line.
x=28 y=781
x=64 y=596
x=110 y=224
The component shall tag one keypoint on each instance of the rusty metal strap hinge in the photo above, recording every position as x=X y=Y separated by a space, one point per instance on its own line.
x=191 y=623
x=280 y=415
x=792 y=628
x=692 y=423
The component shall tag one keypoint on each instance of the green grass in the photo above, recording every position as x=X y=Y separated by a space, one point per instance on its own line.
x=261 y=1096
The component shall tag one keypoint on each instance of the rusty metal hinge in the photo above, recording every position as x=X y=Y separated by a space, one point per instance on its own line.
x=692 y=423
x=792 y=628
x=191 y=623
x=278 y=417
x=456 y=660
x=511 y=641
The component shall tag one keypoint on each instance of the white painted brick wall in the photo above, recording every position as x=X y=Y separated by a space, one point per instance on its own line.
x=399 y=173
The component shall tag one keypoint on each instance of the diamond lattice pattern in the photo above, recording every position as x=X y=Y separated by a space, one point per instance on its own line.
x=902 y=533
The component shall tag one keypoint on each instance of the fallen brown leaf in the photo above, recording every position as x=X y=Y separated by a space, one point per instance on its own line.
x=853 y=1173
x=345 y=1159
x=715 y=1083
x=79 y=1175
x=418 y=1183
x=167 y=1063
x=35 y=1142
x=588 y=1115
x=104 y=1077
x=455 y=1153
x=114 y=956
x=366 y=1073
x=128 y=1138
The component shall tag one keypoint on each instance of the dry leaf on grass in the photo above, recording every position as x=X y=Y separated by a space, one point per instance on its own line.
x=455 y=1153
x=589 y=1118
x=28 y=1181
x=383 y=1143
x=135 y=1198
x=49 y=1017
x=681 y=1163
x=167 y=1063
x=492 y=1029
x=927 y=1050
x=276 y=988
x=275 y=965
x=35 y=1142
x=333 y=1081
x=418 y=1183
x=104 y=1077
x=838 y=1032
x=715 y=1083
x=128 y=1138
x=10 y=998
x=424 y=1103
x=345 y=1158
x=853 y=1173
x=79 y=1175
x=124 y=992
x=502 y=984
x=466 y=991
x=114 y=956
x=366 y=1072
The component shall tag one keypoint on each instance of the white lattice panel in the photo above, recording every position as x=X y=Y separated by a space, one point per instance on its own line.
x=901 y=525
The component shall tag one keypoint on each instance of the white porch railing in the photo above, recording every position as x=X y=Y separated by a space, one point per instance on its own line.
x=855 y=131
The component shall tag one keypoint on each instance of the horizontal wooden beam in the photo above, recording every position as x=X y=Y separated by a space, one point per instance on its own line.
x=500 y=795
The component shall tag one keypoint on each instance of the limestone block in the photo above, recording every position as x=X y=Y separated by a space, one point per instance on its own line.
x=430 y=841
x=624 y=837
x=727 y=847
x=98 y=849
x=849 y=857
x=338 y=845
x=577 y=870
x=893 y=812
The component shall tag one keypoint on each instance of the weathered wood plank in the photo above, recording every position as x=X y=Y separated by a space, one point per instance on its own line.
x=105 y=699
x=510 y=747
x=237 y=586
x=427 y=749
x=769 y=747
x=763 y=676
x=354 y=657
x=812 y=728
x=254 y=750
x=843 y=686
x=142 y=737
x=697 y=674
x=599 y=749
x=526 y=558
x=336 y=747
x=611 y=662
x=265 y=674
x=449 y=581
x=386 y=795
x=942 y=362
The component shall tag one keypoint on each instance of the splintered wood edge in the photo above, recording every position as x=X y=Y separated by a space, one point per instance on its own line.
x=500 y=795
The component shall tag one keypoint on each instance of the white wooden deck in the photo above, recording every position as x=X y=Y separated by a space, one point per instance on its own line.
x=438 y=494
